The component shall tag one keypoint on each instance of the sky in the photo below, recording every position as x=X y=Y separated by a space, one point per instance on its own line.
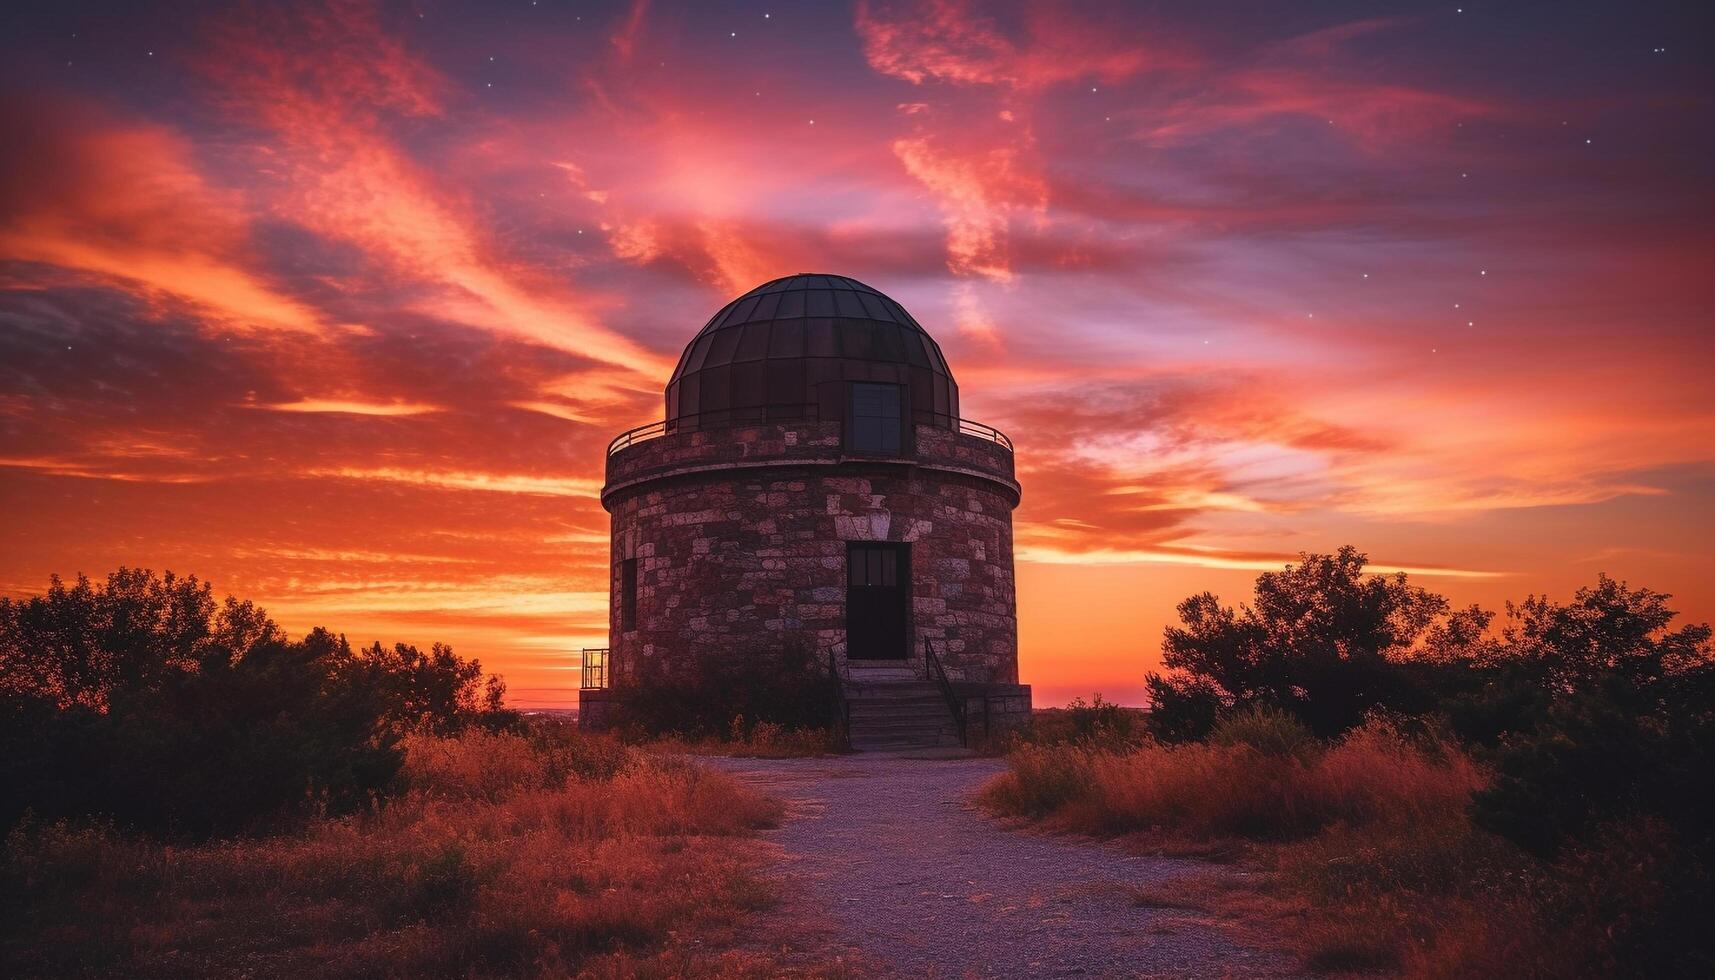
x=338 y=304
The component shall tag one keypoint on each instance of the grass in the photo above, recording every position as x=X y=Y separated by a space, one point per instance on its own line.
x=548 y=854
x=1370 y=860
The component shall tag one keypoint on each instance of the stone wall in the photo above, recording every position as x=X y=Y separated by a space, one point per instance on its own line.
x=740 y=536
x=993 y=711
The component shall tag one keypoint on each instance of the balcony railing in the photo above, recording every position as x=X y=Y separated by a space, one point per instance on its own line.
x=987 y=432
x=595 y=669
x=806 y=413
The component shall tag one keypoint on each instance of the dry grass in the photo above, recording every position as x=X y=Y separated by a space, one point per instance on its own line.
x=507 y=855
x=1371 y=860
x=1213 y=790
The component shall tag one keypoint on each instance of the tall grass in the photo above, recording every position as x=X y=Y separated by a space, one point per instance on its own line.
x=507 y=855
x=1252 y=783
x=1374 y=859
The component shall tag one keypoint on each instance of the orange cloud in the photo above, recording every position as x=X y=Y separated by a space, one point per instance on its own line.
x=977 y=194
x=124 y=203
x=344 y=407
x=326 y=83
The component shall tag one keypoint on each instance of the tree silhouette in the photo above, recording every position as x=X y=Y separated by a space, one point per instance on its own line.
x=145 y=700
x=1321 y=641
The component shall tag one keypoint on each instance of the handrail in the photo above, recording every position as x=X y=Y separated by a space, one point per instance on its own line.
x=643 y=433
x=629 y=436
x=983 y=431
x=938 y=674
x=594 y=668
x=842 y=708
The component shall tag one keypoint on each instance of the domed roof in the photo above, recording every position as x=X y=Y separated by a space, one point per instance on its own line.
x=786 y=349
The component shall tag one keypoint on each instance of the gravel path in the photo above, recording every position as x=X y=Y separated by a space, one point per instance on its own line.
x=895 y=862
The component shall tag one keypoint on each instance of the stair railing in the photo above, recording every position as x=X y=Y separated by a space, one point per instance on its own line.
x=842 y=707
x=937 y=673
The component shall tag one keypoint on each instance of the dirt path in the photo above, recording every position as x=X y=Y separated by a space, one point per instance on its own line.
x=894 y=861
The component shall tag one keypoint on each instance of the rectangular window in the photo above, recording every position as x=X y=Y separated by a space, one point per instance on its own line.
x=627 y=594
x=874 y=421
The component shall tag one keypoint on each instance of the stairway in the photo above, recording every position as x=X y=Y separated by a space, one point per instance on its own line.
x=894 y=715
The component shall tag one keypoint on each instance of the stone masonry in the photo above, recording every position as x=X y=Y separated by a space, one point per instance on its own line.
x=740 y=535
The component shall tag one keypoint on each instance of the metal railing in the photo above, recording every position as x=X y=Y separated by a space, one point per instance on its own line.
x=594 y=669
x=842 y=707
x=937 y=673
x=632 y=436
x=805 y=413
x=982 y=431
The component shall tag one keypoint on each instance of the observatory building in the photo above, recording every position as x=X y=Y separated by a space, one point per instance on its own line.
x=812 y=483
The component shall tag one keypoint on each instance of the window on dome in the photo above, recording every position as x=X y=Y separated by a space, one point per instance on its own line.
x=874 y=420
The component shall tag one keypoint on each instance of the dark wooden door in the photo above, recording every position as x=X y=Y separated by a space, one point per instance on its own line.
x=878 y=596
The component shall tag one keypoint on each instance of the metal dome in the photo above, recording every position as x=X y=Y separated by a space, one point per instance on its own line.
x=785 y=349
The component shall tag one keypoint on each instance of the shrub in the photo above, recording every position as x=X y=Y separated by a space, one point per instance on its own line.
x=1040 y=780
x=1099 y=722
x=143 y=700
x=722 y=695
x=1269 y=731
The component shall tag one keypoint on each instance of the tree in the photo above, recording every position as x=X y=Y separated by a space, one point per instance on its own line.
x=1321 y=641
x=143 y=700
x=1607 y=713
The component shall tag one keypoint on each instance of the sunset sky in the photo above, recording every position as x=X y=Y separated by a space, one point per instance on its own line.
x=337 y=305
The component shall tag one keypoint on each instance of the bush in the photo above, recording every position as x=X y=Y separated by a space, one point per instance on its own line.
x=1099 y=722
x=727 y=696
x=1270 y=732
x=145 y=701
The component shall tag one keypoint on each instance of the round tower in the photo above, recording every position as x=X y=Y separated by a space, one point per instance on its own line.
x=812 y=482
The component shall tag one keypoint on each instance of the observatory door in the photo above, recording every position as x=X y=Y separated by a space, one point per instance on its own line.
x=878 y=594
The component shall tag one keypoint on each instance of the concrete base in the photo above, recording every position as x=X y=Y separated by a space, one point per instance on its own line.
x=598 y=709
x=993 y=710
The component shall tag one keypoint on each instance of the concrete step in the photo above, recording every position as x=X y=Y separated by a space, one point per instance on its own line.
x=885 y=674
x=903 y=744
x=893 y=692
x=915 y=722
x=898 y=707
